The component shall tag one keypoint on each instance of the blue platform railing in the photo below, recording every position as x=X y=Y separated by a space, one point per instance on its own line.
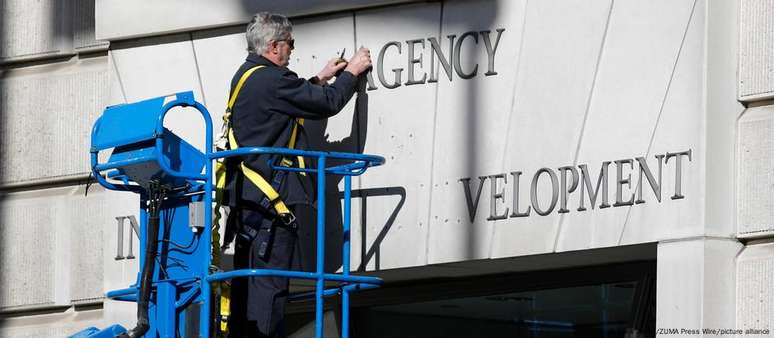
x=198 y=286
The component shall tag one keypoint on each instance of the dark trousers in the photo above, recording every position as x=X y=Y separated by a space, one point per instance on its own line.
x=258 y=303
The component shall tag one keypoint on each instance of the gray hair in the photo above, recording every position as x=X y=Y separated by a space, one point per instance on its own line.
x=264 y=27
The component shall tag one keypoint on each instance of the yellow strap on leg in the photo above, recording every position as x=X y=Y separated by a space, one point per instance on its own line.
x=220 y=184
x=225 y=309
x=221 y=288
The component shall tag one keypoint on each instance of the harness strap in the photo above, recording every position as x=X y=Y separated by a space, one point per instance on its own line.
x=255 y=178
x=271 y=193
x=269 y=190
x=220 y=165
x=292 y=143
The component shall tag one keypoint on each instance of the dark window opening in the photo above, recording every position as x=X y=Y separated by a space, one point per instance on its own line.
x=612 y=301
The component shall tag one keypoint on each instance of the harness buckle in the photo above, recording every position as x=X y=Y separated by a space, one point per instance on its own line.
x=288 y=219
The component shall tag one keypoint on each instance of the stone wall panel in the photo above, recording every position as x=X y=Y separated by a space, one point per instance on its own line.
x=755 y=207
x=756 y=50
x=47 y=113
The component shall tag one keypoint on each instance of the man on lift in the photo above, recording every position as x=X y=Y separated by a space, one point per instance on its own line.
x=269 y=103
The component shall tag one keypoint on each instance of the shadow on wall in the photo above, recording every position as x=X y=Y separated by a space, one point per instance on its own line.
x=373 y=252
x=471 y=154
x=353 y=143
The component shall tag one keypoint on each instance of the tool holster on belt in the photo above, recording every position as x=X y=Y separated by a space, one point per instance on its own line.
x=263 y=233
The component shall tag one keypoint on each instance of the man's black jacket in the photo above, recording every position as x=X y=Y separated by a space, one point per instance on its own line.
x=263 y=116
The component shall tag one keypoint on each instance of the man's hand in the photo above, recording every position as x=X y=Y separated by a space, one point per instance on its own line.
x=334 y=66
x=360 y=62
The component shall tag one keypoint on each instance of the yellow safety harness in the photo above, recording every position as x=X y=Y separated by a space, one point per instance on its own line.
x=227 y=141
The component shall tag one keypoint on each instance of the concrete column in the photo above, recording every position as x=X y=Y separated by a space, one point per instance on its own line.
x=755 y=218
x=695 y=286
x=754 y=292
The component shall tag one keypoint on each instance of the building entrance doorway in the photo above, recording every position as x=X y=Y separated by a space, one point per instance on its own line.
x=602 y=301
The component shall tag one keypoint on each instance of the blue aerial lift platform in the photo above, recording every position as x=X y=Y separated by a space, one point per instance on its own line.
x=175 y=182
